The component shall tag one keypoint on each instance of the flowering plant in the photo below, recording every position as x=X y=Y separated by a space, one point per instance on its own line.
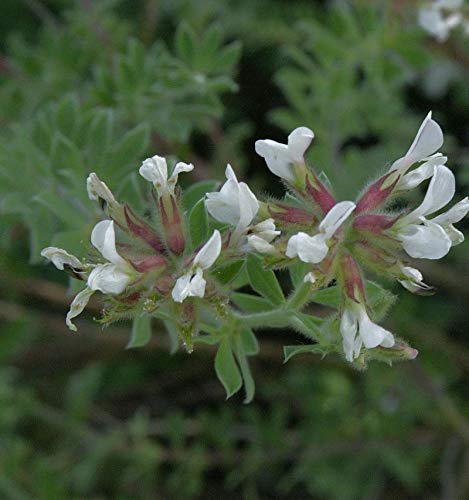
x=184 y=263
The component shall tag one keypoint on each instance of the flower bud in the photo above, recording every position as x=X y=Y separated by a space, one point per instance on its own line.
x=172 y=224
x=376 y=194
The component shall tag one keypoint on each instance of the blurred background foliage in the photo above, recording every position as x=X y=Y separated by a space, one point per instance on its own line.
x=98 y=86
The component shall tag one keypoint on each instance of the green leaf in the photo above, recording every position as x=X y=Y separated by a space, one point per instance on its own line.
x=264 y=281
x=251 y=303
x=227 y=369
x=226 y=274
x=174 y=340
x=378 y=298
x=194 y=193
x=61 y=208
x=198 y=224
x=297 y=273
x=132 y=146
x=249 y=385
x=184 y=42
x=292 y=350
x=82 y=390
x=141 y=332
x=249 y=341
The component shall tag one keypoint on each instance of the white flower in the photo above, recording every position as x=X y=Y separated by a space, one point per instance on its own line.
x=97 y=189
x=447 y=219
x=280 y=157
x=414 y=280
x=429 y=138
x=313 y=249
x=192 y=283
x=234 y=204
x=61 y=258
x=414 y=178
x=262 y=234
x=357 y=329
x=155 y=169
x=110 y=278
x=434 y=21
x=432 y=239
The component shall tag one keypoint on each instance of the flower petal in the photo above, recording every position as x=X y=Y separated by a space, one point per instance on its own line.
x=155 y=170
x=60 y=257
x=178 y=169
x=456 y=213
x=420 y=174
x=103 y=238
x=298 y=142
x=348 y=329
x=260 y=244
x=277 y=158
x=97 y=189
x=108 y=278
x=429 y=138
x=440 y=192
x=311 y=249
x=372 y=334
x=209 y=253
x=77 y=306
x=197 y=284
x=181 y=288
x=336 y=217
x=428 y=241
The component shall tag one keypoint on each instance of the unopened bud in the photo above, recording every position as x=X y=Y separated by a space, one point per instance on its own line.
x=376 y=194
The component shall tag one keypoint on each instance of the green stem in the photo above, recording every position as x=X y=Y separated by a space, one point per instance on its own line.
x=276 y=318
x=300 y=296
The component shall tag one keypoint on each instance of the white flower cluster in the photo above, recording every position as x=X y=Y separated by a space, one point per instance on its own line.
x=335 y=238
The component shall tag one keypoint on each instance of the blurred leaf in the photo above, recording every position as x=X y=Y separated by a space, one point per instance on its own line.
x=141 y=331
x=198 y=224
x=264 y=281
x=226 y=369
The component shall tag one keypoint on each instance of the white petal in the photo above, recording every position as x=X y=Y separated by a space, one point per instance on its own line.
x=260 y=244
x=197 y=284
x=60 y=257
x=348 y=329
x=108 y=278
x=372 y=334
x=103 y=238
x=155 y=170
x=98 y=189
x=178 y=169
x=298 y=142
x=456 y=213
x=265 y=225
x=336 y=217
x=209 y=253
x=453 y=234
x=277 y=158
x=248 y=206
x=416 y=177
x=77 y=306
x=311 y=249
x=427 y=241
x=181 y=288
x=412 y=273
x=234 y=204
x=429 y=138
x=440 y=192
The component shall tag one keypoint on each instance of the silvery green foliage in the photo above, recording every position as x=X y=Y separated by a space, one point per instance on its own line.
x=115 y=102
